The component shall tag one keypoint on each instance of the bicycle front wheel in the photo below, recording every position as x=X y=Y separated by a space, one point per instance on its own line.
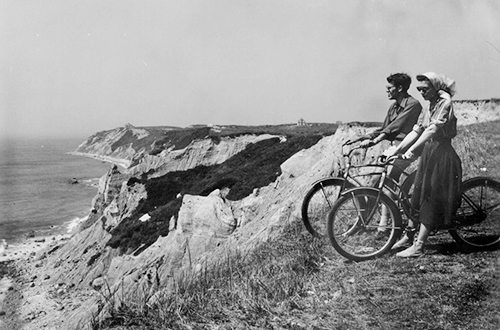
x=318 y=202
x=478 y=218
x=357 y=218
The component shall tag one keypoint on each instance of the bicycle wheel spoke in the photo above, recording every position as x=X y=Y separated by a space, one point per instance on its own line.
x=478 y=218
x=492 y=208
x=318 y=202
x=355 y=221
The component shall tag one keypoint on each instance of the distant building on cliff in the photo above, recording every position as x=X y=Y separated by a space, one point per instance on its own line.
x=301 y=122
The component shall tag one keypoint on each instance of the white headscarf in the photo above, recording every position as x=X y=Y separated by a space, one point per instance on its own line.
x=440 y=82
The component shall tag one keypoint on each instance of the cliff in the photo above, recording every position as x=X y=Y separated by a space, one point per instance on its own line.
x=182 y=203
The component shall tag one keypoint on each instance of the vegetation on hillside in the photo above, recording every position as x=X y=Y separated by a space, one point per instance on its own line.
x=256 y=166
x=479 y=149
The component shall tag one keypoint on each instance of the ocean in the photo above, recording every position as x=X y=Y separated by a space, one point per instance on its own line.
x=36 y=192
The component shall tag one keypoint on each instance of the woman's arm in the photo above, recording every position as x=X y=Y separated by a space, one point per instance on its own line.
x=409 y=139
x=426 y=135
x=436 y=124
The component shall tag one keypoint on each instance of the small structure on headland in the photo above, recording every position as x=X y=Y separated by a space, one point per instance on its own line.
x=301 y=122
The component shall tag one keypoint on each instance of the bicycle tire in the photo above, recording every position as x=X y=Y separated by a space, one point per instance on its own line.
x=353 y=229
x=478 y=218
x=318 y=201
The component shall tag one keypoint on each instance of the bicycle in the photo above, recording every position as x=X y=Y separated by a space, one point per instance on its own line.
x=321 y=197
x=355 y=216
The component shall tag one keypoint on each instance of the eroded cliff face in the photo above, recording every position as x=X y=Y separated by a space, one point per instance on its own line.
x=200 y=152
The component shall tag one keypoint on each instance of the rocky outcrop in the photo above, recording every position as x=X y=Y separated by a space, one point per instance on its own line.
x=110 y=202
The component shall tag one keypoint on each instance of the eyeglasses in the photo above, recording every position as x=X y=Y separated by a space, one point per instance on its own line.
x=423 y=89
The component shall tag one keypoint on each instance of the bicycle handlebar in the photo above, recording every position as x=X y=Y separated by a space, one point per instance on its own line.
x=387 y=160
x=382 y=160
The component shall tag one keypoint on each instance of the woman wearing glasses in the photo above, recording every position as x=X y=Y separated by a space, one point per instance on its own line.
x=439 y=174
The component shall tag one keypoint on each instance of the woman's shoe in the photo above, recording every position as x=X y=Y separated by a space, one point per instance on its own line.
x=406 y=240
x=416 y=250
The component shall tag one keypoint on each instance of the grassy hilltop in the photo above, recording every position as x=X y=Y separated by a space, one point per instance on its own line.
x=297 y=282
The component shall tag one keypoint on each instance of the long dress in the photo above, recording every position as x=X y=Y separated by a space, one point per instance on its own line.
x=437 y=191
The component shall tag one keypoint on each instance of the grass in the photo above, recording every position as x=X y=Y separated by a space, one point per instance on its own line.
x=479 y=149
x=298 y=282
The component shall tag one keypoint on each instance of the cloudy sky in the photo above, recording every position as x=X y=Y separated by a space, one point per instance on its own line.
x=75 y=67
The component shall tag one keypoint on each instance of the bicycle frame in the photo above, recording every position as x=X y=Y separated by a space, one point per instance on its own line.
x=398 y=194
x=385 y=181
x=327 y=190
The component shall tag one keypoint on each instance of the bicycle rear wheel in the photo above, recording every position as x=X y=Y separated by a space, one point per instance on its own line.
x=318 y=202
x=478 y=218
x=355 y=219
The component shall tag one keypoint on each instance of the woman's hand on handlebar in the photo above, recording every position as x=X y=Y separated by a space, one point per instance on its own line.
x=391 y=151
x=387 y=159
x=408 y=155
x=388 y=154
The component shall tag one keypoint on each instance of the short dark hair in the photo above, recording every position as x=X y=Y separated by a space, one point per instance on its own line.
x=400 y=79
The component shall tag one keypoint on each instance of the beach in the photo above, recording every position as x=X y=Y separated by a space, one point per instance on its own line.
x=29 y=247
x=15 y=260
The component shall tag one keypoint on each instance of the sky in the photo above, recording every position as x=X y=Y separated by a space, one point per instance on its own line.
x=71 y=68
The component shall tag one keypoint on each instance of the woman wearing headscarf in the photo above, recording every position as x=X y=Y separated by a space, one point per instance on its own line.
x=437 y=190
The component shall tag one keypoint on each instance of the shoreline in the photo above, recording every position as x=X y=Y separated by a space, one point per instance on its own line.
x=116 y=161
x=19 y=252
x=28 y=247
x=13 y=260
